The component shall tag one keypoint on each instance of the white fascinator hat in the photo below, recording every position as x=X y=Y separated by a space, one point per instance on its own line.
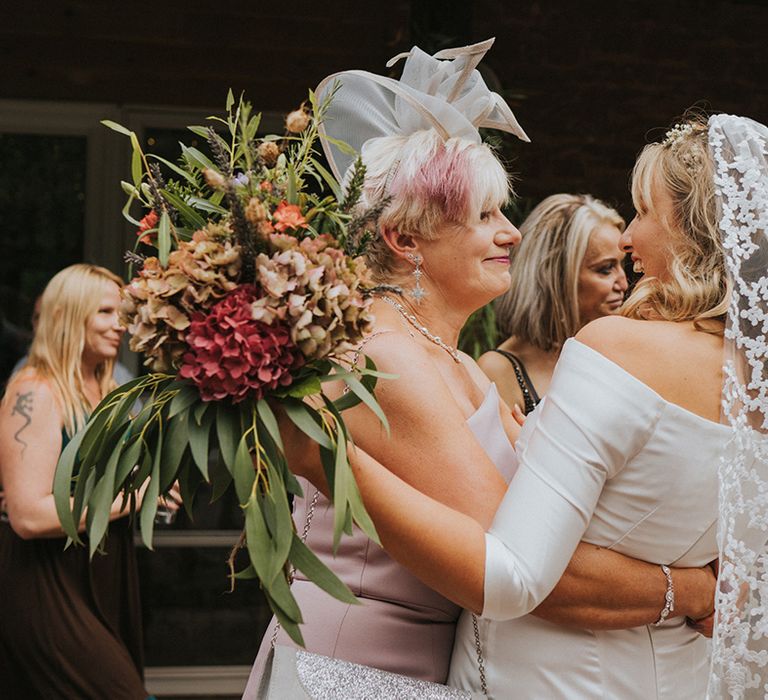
x=443 y=92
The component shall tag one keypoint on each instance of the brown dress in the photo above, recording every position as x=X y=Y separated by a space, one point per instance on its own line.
x=401 y=626
x=70 y=628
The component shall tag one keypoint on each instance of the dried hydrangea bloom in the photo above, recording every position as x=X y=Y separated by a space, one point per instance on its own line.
x=317 y=290
x=158 y=302
x=231 y=355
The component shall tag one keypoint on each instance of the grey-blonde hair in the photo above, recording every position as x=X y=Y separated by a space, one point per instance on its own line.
x=541 y=306
x=430 y=182
x=698 y=288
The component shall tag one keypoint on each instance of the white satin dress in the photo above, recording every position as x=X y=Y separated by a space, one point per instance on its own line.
x=606 y=460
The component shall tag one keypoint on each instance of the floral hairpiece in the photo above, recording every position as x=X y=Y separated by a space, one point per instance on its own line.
x=676 y=134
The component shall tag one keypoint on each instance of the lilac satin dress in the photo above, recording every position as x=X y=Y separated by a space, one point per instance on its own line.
x=402 y=625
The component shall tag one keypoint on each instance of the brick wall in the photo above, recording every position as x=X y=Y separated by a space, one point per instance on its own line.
x=587 y=79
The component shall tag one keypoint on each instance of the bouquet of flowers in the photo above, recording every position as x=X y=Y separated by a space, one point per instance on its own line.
x=253 y=296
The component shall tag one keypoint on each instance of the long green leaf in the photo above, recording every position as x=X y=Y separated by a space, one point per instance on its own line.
x=128 y=460
x=136 y=168
x=164 y=239
x=367 y=398
x=174 y=446
x=208 y=205
x=116 y=127
x=257 y=537
x=313 y=568
x=343 y=475
x=270 y=422
x=227 y=429
x=195 y=157
x=149 y=504
x=220 y=477
x=103 y=496
x=186 y=396
x=198 y=441
x=190 y=216
x=329 y=179
x=300 y=414
x=62 y=486
x=289 y=626
x=179 y=171
x=243 y=472
x=283 y=527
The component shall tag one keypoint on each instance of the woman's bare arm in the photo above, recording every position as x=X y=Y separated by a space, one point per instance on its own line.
x=30 y=444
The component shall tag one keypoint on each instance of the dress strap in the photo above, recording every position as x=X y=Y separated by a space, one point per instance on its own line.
x=530 y=397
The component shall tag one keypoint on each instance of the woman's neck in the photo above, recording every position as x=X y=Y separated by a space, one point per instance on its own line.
x=440 y=319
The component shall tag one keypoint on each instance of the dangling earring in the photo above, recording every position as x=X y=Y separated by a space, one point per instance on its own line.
x=418 y=292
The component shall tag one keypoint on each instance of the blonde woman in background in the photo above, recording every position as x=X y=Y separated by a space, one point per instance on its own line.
x=566 y=272
x=70 y=627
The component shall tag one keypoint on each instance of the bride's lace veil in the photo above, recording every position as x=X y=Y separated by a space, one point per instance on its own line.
x=739 y=148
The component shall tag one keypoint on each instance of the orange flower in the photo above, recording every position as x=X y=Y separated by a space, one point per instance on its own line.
x=288 y=216
x=148 y=223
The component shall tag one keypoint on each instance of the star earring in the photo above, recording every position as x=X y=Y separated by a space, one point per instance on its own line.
x=418 y=292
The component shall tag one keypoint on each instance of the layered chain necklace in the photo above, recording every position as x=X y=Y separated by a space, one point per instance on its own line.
x=422 y=329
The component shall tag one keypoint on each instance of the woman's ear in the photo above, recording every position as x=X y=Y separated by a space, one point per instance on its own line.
x=401 y=244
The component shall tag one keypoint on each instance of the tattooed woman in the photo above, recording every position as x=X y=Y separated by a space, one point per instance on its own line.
x=68 y=627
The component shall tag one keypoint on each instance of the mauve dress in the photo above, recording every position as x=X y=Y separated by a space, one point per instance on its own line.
x=402 y=625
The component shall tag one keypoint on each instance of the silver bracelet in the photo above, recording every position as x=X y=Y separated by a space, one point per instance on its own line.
x=669 y=597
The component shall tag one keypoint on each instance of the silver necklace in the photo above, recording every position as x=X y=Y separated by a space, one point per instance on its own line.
x=422 y=329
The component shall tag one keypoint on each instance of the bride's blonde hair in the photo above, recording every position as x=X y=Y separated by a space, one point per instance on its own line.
x=698 y=288
x=70 y=299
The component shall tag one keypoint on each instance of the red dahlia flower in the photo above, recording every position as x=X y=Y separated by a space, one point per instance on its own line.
x=233 y=356
x=147 y=223
x=288 y=216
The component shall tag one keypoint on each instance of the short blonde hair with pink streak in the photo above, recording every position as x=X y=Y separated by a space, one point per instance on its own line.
x=432 y=183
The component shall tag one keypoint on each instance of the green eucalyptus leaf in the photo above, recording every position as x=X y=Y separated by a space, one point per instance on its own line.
x=164 y=239
x=270 y=422
x=186 y=396
x=100 y=503
x=220 y=476
x=198 y=441
x=230 y=100
x=227 y=430
x=200 y=410
x=308 y=387
x=243 y=472
x=129 y=458
x=196 y=158
x=280 y=592
x=247 y=573
x=62 y=486
x=126 y=211
x=136 y=167
x=179 y=171
x=291 y=193
x=343 y=475
x=174 y=446
x=149 y=504
x=116 y=127
x=356 y=386
x=282 y=532
x=188 y=214
x=330 y=180
x=290 y=627
x=208 y=205
x=257 y=537
x=313 y=568
x=301 y=415
x=189 y=482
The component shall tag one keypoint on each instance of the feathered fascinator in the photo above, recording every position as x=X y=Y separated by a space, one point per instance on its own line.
x=443 y=92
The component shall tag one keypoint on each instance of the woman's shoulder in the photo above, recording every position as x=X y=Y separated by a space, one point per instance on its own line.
x=28 y=389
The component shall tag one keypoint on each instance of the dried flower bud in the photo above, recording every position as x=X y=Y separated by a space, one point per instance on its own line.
x=213 y=179
x=255 y=211
x=268 y=151
x=297 y=121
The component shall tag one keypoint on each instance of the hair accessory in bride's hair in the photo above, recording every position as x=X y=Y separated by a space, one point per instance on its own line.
x=676 y=134
x=739 y=148
x=444 y=92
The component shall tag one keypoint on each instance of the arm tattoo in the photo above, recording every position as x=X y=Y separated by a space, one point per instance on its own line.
x=24 y=408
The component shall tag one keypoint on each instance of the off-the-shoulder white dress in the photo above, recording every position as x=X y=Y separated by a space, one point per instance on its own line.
x=607 y=460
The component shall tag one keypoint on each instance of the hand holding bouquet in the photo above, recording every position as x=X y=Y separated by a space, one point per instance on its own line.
x=254 y=296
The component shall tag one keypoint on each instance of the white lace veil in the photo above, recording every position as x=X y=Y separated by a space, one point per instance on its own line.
x=740 y=647
x=443 y=92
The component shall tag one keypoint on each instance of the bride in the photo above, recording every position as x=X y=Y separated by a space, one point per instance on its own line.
x=624 y=452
